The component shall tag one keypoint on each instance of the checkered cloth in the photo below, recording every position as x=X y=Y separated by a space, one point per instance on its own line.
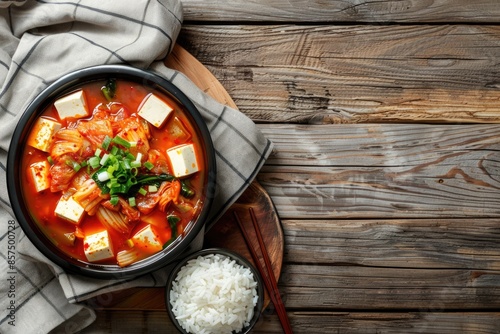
x=42 y=40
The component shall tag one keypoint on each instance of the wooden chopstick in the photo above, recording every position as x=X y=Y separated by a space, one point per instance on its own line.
x=267 y=276
x=274 y=285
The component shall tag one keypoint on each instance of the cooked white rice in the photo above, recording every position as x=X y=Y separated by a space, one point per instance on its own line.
x=213 y=294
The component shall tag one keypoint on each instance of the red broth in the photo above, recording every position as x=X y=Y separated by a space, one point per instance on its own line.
x=127 y=101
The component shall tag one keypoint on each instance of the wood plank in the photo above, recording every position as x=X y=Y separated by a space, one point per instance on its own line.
x=415 y=243
x=380 y=192
x=383 y=171
x=406 y=146
x=343 y=11
x=369 y=288
x=317 y=322
x=354 y=74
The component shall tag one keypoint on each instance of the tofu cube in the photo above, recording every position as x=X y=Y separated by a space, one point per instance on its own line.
x=183 y=160
x=155 y=110
x=42 y=134
x=70 y=210
x=39 y=173
x=148 y=240
x=97 y=247
x=72 y=106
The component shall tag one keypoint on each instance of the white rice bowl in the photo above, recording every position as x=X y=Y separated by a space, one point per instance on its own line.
x=213 y=294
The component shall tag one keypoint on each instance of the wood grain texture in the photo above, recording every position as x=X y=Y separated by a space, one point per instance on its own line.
x=132 y=322
x=384 y=171
x=343 y=11
x=181 y=60
x=405 y=146
x=470 y=244
x=355 y=74
x=371 y=288
x=323 y=192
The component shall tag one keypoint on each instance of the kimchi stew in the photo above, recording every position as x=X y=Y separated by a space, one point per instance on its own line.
x=114 y=172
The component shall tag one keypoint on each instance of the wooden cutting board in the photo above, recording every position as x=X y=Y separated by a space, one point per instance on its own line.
x=225 y=232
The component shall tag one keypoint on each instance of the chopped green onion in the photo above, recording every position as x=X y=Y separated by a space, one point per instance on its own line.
x=131 y=201
x=114 y=200
x=103 y=176
x=94 y=162
x=152 y=188
x=118 y=172
x=125 y=164
x=133 y=144
x=106 y=142
x=135 y=164
x=104 y=159
x=132 y=181
x=113 y=183
x=121 y=178
x=111 y=169
x=84 y=163
x=148 y=165
x=139 y=157
x=119 y=189
x=50 y=160
x=73 y=164
x=114 y=150
x=120 y=141
x=76 y=166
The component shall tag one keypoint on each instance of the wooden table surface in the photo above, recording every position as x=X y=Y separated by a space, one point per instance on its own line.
x=386 y=170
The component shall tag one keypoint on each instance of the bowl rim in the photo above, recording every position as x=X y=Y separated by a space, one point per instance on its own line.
x=34 y=109
x=240 y=259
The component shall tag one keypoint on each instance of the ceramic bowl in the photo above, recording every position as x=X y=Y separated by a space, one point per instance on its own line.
x=240 y=260
x=14 y=174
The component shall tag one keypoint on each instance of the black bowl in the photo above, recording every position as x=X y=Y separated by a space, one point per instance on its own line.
x=239 y=260
x=62 y=86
